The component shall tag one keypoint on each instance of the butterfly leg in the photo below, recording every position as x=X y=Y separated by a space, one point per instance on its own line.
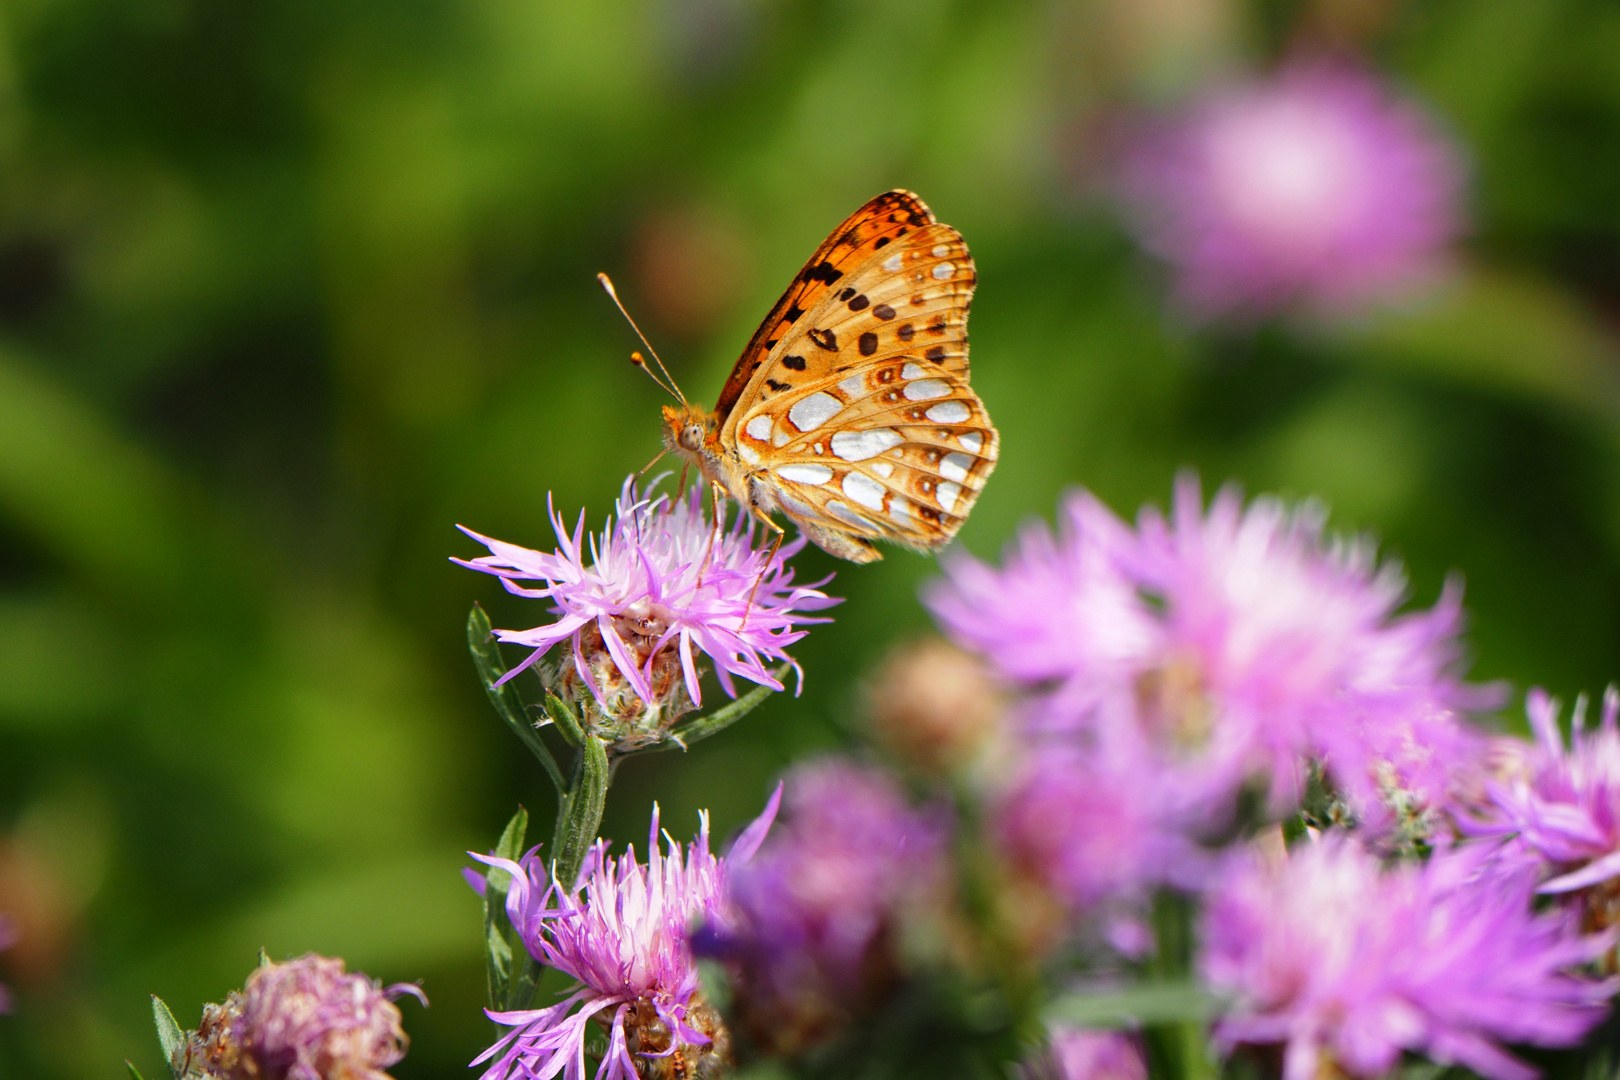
x=776 y=545
x=716 y=494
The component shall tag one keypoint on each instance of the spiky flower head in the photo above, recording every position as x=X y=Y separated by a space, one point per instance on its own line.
x=1562 y=806
x=1099 y=834
x=306 y=1019
x=622 y=935
x=1226 y=644
x=1318 y=187
x=1080 y=1054
x=637 y=605
x=1347 y=964
x=816 y=915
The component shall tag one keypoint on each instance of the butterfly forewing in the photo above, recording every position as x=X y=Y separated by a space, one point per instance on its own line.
x=857 y=419
x=883 y=221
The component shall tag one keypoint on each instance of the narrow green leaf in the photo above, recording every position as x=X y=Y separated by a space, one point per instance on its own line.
x=171 y=1037
x=134 y=1073
x=699 y=728
x=1149 y=1003
x=499 y=937
x=576 y=830
x=486 y=654
x=566 y=721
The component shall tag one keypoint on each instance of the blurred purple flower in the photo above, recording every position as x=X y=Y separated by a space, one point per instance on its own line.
x=1094 y=832
x=622 y=934
x=1563 y=806
x=8 y=938
x=660 y=581
x=1080 y=1054
x=1223 y=644
x=816 y=911
x=306 y=1019
x=1341 y=959
x=1316 y=185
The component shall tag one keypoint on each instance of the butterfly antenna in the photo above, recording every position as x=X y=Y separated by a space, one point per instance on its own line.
x=636 y=358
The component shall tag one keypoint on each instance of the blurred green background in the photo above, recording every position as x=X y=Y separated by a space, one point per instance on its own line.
x=288 y=289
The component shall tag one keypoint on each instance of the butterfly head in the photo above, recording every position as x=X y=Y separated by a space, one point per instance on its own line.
x=688 y=429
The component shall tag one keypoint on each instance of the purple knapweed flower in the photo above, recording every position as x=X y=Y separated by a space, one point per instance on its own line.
x=623 y=936
x=306 y=1019
x=1317 y=186
x=1562 y=807
x=1096 y=832
x=8 y=938
x=660 y=584
x=1081 y=1054
x=816 y=915
x=1348 y=963
x=1225 y=645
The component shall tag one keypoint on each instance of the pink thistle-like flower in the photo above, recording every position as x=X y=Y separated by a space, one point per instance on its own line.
x=660 y=584
x=1346 y=962
x=1080 y=1054
x=1562 y=807
x=1317 y=186
x=622 y=934
x=815 y=914
x=1226 y=644
x=306 y=1019
x=1097 y=832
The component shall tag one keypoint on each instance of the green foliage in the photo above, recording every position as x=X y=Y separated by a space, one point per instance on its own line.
x=486 y=653
x=171 y=1036
x=513 y=974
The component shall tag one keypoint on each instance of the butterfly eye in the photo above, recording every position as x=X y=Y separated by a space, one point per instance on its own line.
x=692 y=436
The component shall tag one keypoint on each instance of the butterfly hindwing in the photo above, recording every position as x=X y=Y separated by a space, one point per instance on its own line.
x=885 y=465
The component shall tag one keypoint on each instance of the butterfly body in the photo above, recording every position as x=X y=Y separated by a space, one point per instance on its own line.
x=849 y=410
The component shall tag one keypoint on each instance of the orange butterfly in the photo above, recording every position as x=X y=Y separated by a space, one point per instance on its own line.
x=850 y=410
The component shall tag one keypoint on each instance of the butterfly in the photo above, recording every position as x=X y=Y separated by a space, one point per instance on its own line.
x=849 y=410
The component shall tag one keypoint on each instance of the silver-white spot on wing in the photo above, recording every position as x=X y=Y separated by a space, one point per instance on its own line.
x=864 y=490
x=941 y=250
x=843 y=512
x=860 y=445
x=899 y=509
x=923 y=389
x=913 y=370
x=970 y=439
x=810 y=413
x=748 y=453
x=759 y=428
x=943 y=271
x=946 y=493
x=955 y=466
x=814 y=475
x=794 y=506
x=884 y=469
x=853 y=385
x=892 y=263
x=948 y=412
